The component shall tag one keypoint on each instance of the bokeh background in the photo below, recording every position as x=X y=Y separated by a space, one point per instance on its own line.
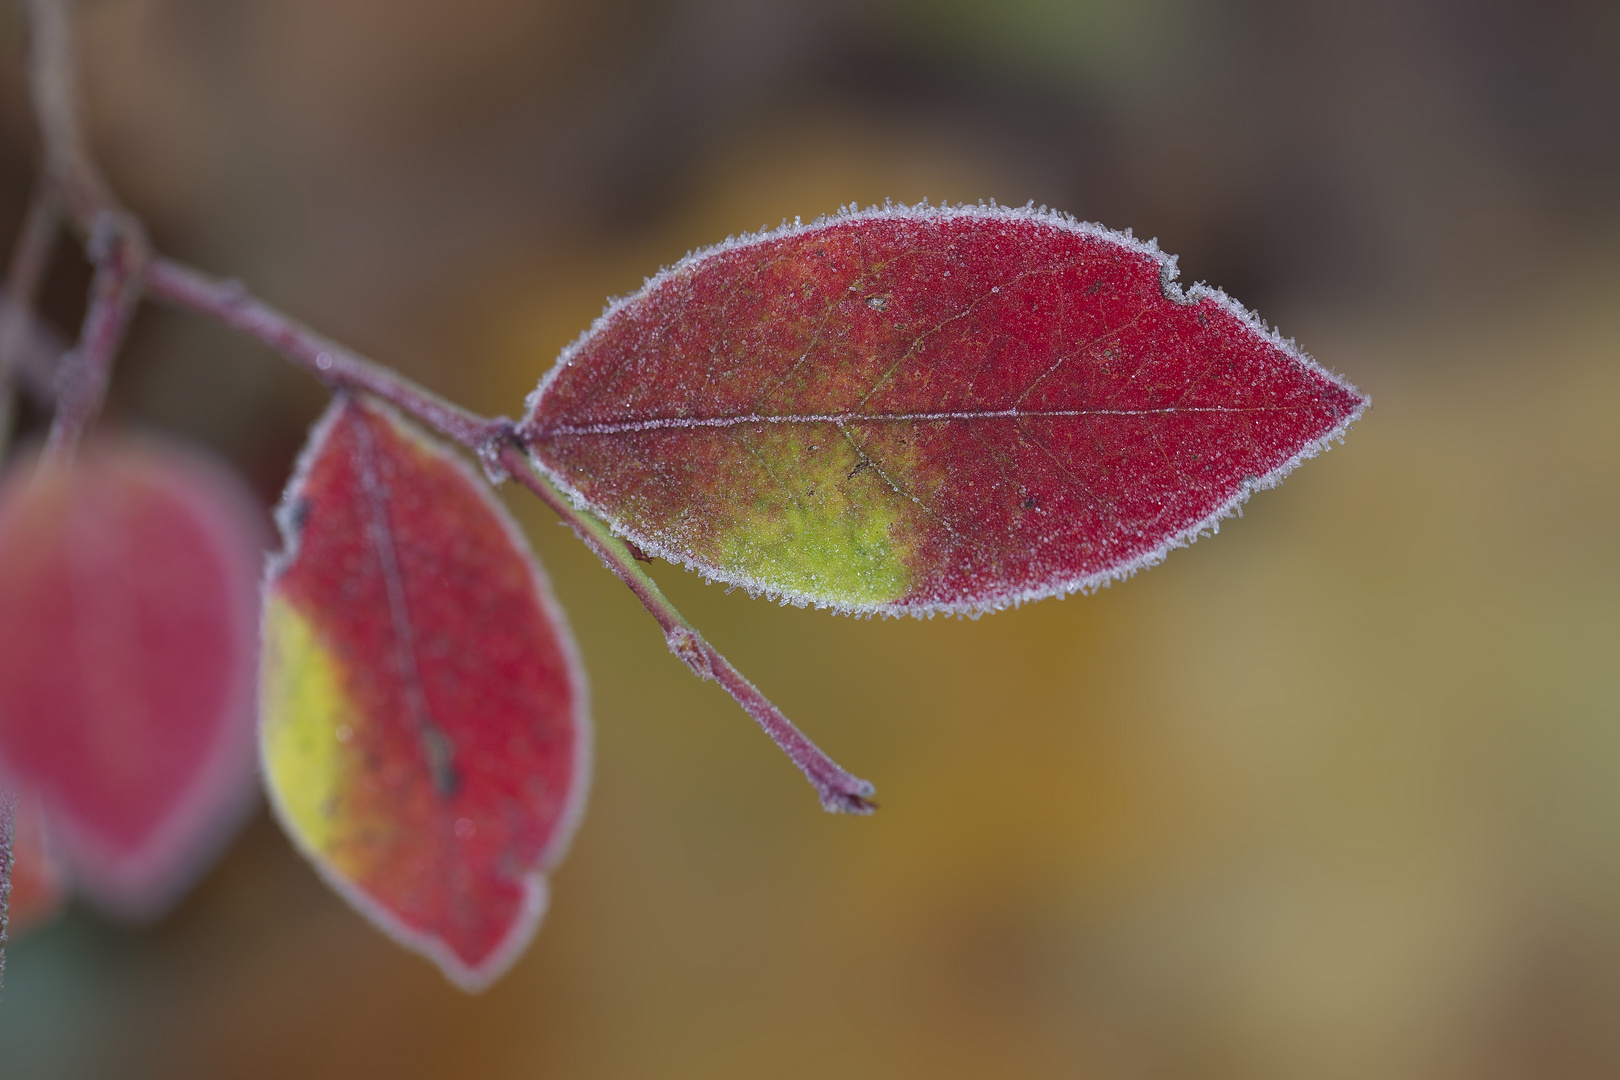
x=1335 y=793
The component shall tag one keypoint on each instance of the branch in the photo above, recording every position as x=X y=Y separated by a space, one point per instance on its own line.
x=53 y=83
x=83 y=374
x=229 y=303
x=114 y=240
x=20 y=345
x=491 y=439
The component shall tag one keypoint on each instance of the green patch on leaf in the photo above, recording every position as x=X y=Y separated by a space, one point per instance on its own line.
x=824 y=523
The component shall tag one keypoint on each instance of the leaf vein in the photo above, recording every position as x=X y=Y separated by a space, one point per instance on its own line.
x=681 y=423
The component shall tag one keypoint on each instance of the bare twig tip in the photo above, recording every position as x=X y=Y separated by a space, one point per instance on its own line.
x=842 y=802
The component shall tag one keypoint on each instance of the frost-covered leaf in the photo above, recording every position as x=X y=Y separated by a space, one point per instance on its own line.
x=424 y=729
x=128 y=631
x=915 y=410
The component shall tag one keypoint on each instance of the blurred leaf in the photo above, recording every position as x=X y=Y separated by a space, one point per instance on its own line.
x=127 y=628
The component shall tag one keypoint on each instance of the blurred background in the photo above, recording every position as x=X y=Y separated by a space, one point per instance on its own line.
x=1333 y=794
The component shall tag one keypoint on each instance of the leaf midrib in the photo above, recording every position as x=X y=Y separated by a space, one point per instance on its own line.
x=678 y=423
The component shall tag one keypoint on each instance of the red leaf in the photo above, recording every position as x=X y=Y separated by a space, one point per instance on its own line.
x=926 y=410
x=424 y=729
x=128 y=615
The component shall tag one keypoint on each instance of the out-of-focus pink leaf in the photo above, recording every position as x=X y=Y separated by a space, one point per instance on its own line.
x=424 y=728
x=128 y=615
x=914 y=410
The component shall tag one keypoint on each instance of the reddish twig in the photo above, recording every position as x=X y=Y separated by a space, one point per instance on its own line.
x=83 y=374
x=339 y=367
x=76 y=184
x=115 y=242
x=19 y=340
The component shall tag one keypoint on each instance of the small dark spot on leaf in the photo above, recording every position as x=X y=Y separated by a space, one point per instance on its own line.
x=441 y=757
x=1031 y=503
x=296 y=516
x=637 y=554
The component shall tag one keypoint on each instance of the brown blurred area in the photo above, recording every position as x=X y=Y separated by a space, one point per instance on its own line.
x=1335 y=793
